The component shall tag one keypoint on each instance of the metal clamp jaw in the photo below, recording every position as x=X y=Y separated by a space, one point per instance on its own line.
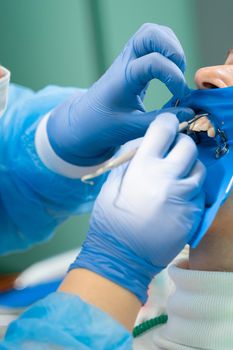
x=220 y=139
x=222 y=146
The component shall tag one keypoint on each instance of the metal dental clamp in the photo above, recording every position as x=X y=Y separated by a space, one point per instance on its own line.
x=222 y=146
x=126 y=157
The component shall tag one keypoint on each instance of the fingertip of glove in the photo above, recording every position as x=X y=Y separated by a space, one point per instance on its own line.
x=184 y=114
x=167 y=118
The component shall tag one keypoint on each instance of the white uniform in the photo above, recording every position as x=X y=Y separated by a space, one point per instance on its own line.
x=200 y=313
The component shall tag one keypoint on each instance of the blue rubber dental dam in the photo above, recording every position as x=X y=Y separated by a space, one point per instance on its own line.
x=216 y=153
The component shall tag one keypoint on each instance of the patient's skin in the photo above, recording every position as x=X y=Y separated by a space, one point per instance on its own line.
x=213 y=77
x=214 y=252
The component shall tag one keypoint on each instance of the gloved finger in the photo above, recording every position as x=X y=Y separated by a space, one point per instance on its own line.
x=127 y=147
x=192 y=185
x=160 y=136
x=197 y=175
x=138 y=124
x=156 y=66
x=175 y=102
x=182 y=113
x=132 y=126
x=183 y=155
x=171 y=103
x=198 y=202
x=143 y=92
x=156 y=38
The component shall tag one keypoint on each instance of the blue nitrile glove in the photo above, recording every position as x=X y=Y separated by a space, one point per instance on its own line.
x=146 y=211
x=87 y=130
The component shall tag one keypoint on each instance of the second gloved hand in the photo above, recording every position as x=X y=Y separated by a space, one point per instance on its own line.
x=147 y=210
x=87 y=130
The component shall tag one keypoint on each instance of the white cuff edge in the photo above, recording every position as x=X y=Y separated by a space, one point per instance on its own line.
x=52 y=161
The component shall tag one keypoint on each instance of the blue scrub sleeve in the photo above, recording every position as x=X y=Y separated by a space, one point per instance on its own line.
x=33 y=199
x=64 y=321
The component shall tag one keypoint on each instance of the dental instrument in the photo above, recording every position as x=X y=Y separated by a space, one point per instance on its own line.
x=115 y=162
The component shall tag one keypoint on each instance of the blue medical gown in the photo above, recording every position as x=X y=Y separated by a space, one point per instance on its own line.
x=63 y=321
x=33 y=199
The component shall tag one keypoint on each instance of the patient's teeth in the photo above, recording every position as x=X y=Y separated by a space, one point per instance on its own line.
x=211 y=132
x=206 y=125
x=203 y=124
x=196 y=126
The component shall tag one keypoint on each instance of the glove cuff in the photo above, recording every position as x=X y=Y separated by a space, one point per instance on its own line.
x=109 y=258
x=53 y=161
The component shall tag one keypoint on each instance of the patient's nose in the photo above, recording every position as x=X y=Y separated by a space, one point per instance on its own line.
x=214 y=77
x=229 y=59
x=211 y=77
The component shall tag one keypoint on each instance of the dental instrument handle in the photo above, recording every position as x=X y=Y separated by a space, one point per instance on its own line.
x=115 y=162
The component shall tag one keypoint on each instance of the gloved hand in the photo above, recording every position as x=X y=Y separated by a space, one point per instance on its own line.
x=146 y=211
x=87 y=130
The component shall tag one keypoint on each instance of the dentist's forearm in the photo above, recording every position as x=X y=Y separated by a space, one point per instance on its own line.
x=118 y=302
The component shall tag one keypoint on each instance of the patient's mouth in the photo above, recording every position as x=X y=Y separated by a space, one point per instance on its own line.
x=203 y=124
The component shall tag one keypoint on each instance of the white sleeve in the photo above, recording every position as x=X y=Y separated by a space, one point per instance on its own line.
x=200 y=312
x=52 y=161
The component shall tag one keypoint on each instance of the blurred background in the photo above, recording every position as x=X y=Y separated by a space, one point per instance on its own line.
x=72 y=42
